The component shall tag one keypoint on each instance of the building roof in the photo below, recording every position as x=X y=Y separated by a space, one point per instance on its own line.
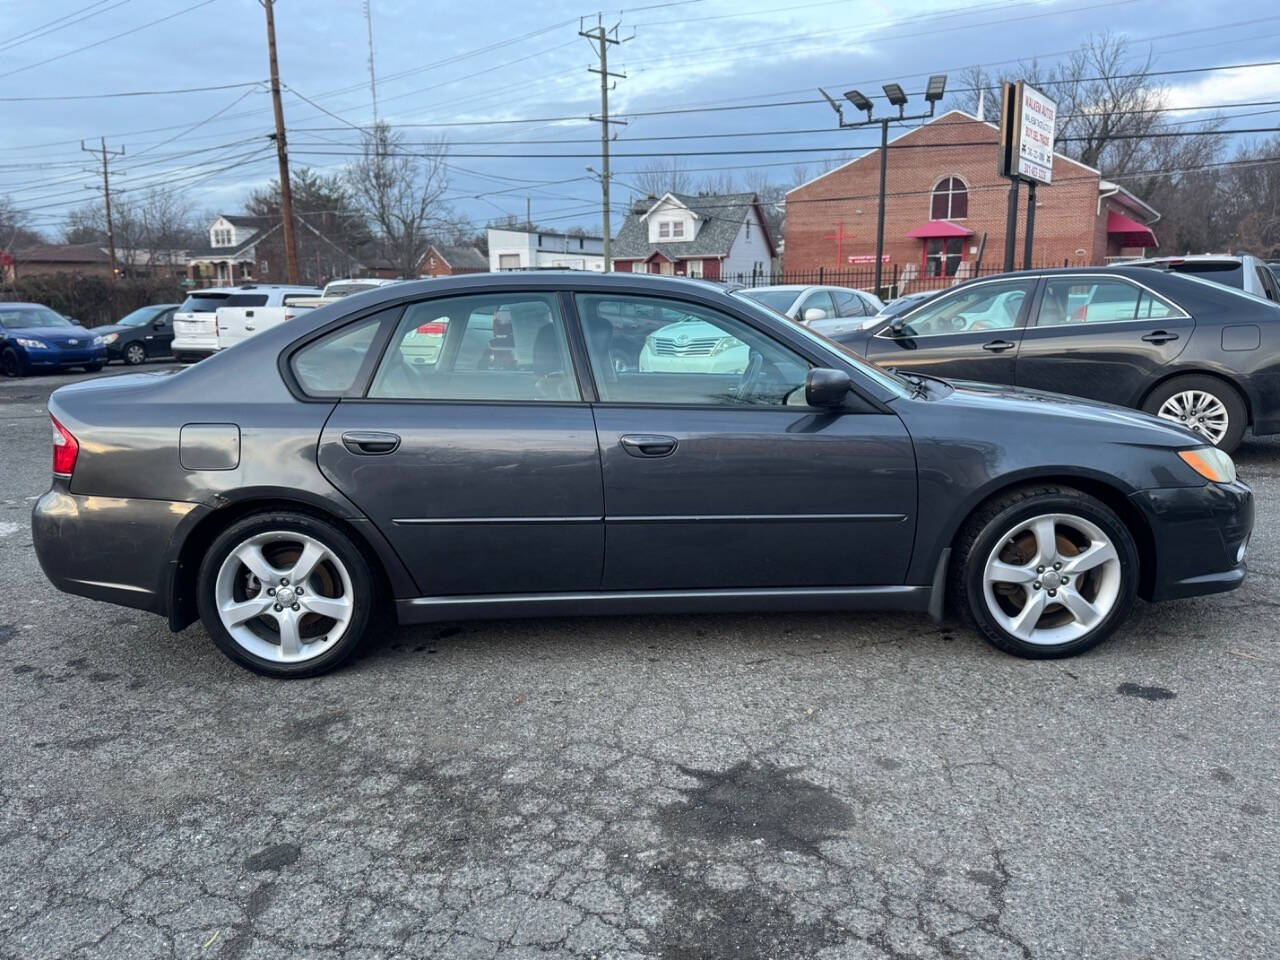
x=721 y=216
x=461 y=257
x=63 y=253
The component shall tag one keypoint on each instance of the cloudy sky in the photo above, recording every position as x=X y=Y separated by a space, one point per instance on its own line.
x=465 y=70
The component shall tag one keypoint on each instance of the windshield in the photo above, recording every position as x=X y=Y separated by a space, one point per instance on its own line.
x=20 y=318
x=895 y=384
x=140 y=317
x=778 y=300
x=1226 y=272
x=1223 y=288
x=203 y=302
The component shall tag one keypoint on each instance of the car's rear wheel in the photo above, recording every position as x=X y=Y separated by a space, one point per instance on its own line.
x=286 y=594
x=11 y=363
x=1045 y=571
x=134 y=354
x=1207 y=405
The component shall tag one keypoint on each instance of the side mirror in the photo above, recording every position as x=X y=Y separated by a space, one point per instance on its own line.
x=157 y=324
x=895 y=326
x=814 y=313
x=824 y=387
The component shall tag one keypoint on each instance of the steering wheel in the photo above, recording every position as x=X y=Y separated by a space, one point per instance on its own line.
x=959 y=323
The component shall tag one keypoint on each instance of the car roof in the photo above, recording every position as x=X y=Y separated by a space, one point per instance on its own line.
x=23 y=303
x=1191 y=258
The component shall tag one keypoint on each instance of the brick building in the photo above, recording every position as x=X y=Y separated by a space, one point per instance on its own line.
x=443 y=260
x=943 y=194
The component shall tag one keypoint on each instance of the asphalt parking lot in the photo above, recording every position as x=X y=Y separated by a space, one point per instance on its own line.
x=804 y=786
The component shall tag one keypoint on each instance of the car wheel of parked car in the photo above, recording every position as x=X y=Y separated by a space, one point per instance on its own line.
x=1206 y=405
x=11 y=363
x=1045 y=571
x=134 y=354
x=286 y=594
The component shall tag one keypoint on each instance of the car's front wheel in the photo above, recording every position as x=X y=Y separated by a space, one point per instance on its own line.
x=1206 y=405
x=1045 y=571
x=286 y=594
x=11 y=363
x=135 y=354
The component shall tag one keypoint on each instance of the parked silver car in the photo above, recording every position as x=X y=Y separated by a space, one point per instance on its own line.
x=1244 y=271
x=826 y=309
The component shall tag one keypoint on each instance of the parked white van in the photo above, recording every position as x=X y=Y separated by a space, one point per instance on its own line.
x=215 y=318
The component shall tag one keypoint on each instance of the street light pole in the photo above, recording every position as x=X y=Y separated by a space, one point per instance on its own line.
x=893 y=92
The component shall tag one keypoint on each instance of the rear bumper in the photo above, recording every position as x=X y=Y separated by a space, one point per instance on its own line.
x=107 y=548
x=1201 y=536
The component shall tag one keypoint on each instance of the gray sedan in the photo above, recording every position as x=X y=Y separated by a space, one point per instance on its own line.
x=521 y=473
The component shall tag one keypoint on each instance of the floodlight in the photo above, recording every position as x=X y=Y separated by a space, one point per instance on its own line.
x=936 y=87
x=858 y=100
x=895 y=94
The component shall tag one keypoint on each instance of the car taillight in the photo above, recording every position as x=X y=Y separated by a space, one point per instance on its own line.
x=433 y=329
x=65 y=449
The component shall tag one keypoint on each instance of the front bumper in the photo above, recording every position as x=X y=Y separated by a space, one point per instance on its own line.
x=1201 y=535
x=107 y=548
x=56 y=359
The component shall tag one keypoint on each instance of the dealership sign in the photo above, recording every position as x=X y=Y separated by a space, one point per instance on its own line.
x=1028 y=121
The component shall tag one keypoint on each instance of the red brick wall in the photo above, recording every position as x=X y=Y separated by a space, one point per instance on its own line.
x=1066 y=213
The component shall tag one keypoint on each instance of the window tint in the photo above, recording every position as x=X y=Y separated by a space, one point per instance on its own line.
x=329 y=366
x=1151 y=307
x=820 y=300
x=507 y=346
x=1227 y=272
x=648 y=350
x=1069 y=300
x=849 y=304
x=245 y=300
x=777 y=300
x=203 y=302
x=987 y=306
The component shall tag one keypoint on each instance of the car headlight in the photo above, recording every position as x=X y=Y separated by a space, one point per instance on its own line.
x=723 y=344
x=31 y=344
x=104 y=340
x=1211 y=463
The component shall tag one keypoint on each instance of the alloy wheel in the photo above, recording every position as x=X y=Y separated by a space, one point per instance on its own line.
x=1199 y=411
x=134 y=354
x=1052 y=579
x=284 y=596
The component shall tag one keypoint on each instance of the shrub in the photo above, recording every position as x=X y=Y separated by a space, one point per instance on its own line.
x=94 y=301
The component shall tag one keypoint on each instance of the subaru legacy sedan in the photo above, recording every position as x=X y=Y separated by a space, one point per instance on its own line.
x=1194 y=352
x=523 y=472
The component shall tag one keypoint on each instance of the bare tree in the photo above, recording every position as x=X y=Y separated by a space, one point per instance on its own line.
x=150 y=228
x=15 y=227
x=660 y=175
x=401 y=190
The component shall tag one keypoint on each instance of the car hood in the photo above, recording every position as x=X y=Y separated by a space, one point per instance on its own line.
x=1145 y=428
x=693 y=329
x=58 y=335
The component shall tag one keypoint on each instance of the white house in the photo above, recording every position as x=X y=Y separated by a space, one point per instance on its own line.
x=717 y=236
x=531 y=249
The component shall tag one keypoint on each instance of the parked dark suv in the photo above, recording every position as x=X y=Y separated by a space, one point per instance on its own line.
x=1194 y=352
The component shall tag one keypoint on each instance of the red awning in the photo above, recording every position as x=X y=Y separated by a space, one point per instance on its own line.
x=1131 y=232
x=940 y=228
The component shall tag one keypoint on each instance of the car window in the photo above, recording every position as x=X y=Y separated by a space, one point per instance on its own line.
x=245 y=300
x=818 y=300
x=778 y=300
x=1087 y=300
x=849 y=304
x=18 y=318
x=496 y=346
x=329 y=367
x=203 y=302
x=1227 y=272
x=688 y=354
x=985 y=306
x=1268 y=282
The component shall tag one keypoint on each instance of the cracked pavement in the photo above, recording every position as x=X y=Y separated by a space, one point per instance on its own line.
x=802 y=786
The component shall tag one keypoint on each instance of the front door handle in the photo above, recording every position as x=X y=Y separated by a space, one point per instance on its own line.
x=370 y=443
x=1160 y=336
x=999 y=346
x=648 y=445
x=250 y=326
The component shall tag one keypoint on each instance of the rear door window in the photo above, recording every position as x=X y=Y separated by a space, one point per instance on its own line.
x=204 y=302
x=849 y=304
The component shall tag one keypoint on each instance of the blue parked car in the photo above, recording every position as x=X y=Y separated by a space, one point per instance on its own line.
x=33 y=337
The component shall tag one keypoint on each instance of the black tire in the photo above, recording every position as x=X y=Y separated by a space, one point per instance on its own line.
x=187 y=357
x=135 y=354
x=365 y=605
x=92 y=367
x=994 y=521
x=11 y=364
x=1227 y=395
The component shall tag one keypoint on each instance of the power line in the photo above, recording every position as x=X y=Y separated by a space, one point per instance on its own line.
x=132 y=93
x=59 y=23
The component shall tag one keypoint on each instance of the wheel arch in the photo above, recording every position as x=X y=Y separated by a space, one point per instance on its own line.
x=1098 y=487
x=192 y=543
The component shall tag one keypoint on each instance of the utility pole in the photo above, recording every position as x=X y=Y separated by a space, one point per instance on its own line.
x=106 y=195
x=282 y=151
x=600 y=40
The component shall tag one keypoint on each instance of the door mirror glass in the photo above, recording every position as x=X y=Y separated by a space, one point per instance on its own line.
x=824 y=387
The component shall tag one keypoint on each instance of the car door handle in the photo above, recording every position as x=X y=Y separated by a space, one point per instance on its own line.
x=370 y=443
x=250 y=326
x=648 y=445
x=999 y=346
x=1160 y=336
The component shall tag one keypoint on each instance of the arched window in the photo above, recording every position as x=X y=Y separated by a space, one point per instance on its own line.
x=950 y=200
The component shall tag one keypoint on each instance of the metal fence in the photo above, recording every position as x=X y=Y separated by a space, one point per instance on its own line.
x=895 y=280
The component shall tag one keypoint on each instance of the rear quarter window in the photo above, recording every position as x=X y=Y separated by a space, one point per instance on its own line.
x=333 y=365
